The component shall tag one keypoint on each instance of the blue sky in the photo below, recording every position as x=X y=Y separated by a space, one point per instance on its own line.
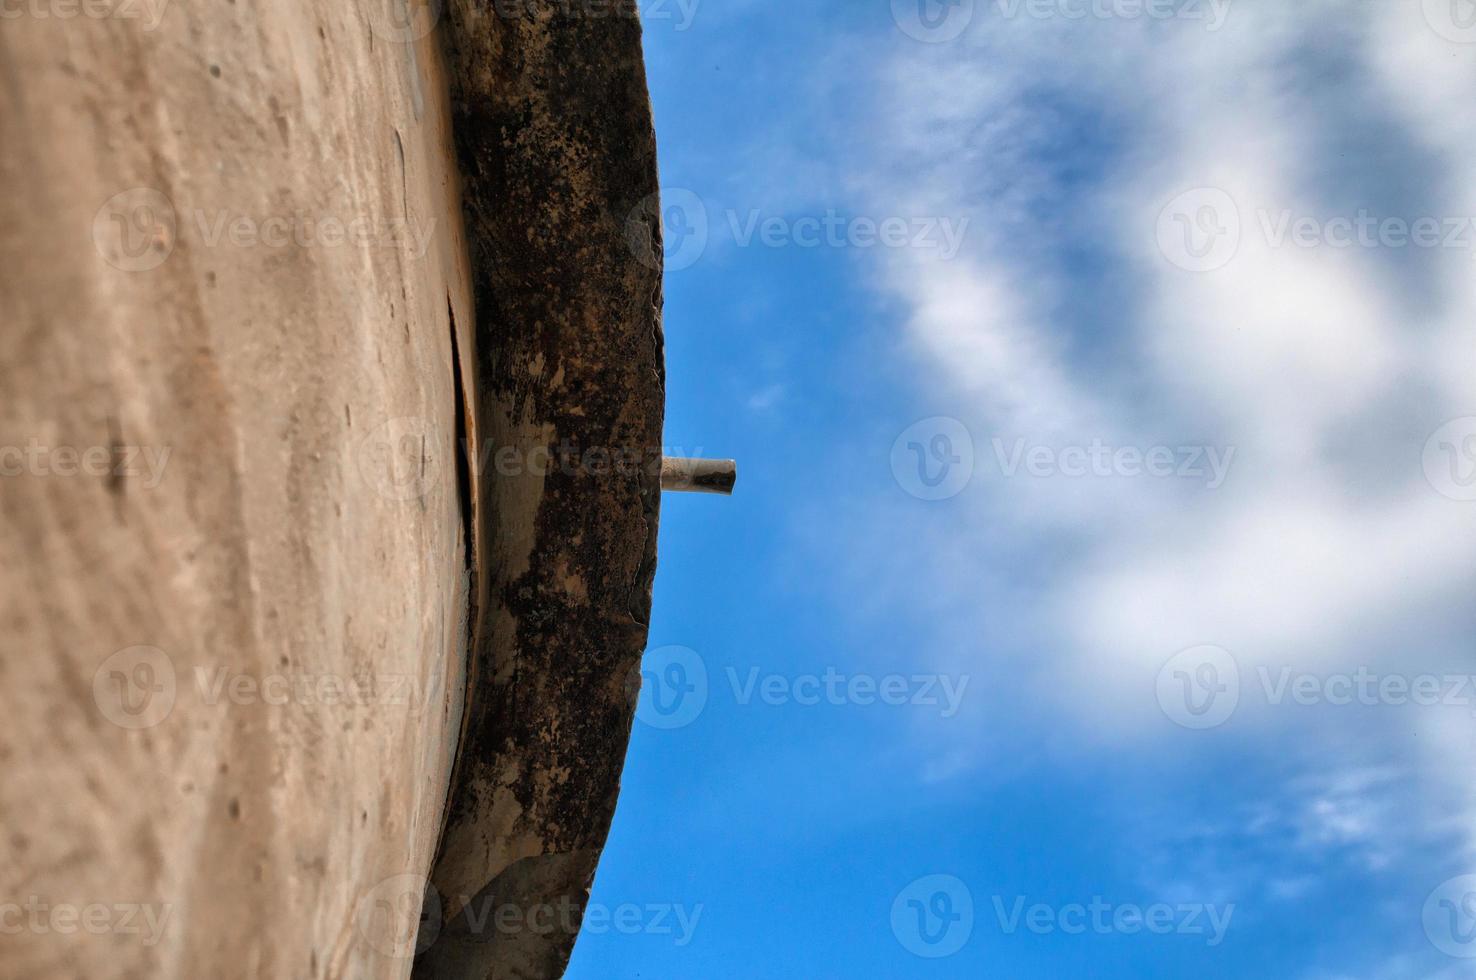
x=1115 y=689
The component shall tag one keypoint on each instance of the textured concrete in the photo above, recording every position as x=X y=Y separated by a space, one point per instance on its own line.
x=231 y=667
x=555 y=145
x=276 y=657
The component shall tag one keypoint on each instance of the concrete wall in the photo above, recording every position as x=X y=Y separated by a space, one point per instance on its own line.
x=230 y=260
x=555 y=144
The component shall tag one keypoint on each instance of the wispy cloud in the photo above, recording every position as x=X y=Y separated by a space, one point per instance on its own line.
x=1066 y=141
x=1089 y=305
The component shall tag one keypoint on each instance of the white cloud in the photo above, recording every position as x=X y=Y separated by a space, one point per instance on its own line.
x=1325 y=368
x=1278 y=353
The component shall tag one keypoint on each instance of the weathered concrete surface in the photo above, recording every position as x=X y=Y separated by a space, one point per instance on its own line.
x=295 y=535
x=554 y=140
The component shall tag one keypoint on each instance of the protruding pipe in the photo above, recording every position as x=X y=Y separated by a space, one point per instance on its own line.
x=698 y=475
